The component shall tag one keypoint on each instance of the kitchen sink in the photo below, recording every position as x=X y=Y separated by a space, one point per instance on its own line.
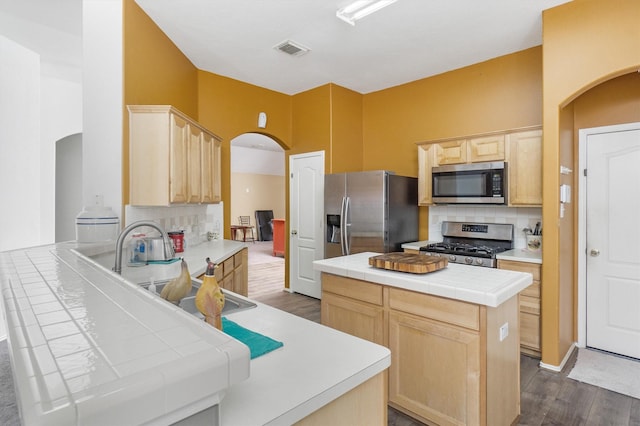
x=232 y=303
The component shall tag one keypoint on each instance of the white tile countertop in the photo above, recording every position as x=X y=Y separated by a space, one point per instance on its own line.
x=521 y=255
x=90 y=347
x=315 y=365
x=484 y=286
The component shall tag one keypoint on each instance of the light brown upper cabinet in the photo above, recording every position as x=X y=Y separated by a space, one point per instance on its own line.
x=470 y=150
x=525 y=168
x=173 y=160
x=451 y=152
x=426 y=160
x=486 y=148
x=211 y=166
x=521 y=149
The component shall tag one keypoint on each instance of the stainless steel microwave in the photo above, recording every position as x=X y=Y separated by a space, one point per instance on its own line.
x=476 y=183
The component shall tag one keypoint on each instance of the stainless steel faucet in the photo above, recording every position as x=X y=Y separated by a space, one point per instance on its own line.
x=168 y=244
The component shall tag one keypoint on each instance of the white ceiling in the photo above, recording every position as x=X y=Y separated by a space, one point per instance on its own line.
x=53 y=29
x=256 y=141
x=406 y=41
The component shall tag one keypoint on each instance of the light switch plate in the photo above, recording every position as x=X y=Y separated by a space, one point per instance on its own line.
x=504 y=331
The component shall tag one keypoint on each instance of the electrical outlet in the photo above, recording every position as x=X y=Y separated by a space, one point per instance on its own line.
x=504 y=331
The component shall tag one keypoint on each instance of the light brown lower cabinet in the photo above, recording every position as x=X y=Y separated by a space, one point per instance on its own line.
x=529 y=306
x=448 y=365
x=363 y=405
x=233 y=274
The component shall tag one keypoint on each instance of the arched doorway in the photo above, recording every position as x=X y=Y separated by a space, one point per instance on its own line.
x=68 y=186
x=258 y=183
x=611 y=105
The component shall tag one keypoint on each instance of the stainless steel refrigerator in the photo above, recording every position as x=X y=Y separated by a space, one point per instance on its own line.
x=373 y=211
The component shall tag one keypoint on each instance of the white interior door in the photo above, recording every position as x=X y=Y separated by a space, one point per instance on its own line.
x=306 y=211
x=613 y=241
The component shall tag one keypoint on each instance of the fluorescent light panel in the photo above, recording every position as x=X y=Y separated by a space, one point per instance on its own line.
x=361 y=8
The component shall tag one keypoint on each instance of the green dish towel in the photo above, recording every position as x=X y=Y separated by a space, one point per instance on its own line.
x=258 y=343
x=163 y=262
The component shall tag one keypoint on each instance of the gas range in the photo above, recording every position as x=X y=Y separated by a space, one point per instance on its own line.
x=472 y=243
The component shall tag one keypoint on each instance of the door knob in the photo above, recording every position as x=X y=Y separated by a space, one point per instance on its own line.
x=595 y=252
x=294 y=232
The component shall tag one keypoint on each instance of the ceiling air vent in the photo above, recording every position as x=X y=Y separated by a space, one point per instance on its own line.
x=291 y=48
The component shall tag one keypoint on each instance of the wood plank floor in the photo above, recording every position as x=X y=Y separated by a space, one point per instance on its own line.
x=546 y=397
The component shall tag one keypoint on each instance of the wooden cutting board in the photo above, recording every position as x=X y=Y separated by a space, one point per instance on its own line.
x=408 y=262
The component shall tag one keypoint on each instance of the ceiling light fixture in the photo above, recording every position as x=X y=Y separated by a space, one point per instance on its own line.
x=361 y=8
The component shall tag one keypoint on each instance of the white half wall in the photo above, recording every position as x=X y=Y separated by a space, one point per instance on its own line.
x=40 y=104
x=102 y=102
x=19 y=146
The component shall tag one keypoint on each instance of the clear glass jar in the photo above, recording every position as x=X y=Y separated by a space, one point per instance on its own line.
x=138 y=249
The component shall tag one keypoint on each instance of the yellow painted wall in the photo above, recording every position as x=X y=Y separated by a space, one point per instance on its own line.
x=567 y=237
x=586 y=42
x=502 y=93
x=251 y=192
x=311 y=122
x=616 y=101
x=346 y=130
x=155 y=72
x=230 y=108
x=499 y=94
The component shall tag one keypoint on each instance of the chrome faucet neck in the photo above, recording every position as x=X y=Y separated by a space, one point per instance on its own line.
x=168 y=245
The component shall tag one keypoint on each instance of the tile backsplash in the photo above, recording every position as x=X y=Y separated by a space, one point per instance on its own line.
x=196 y=220
x=210 y=218
x=519 y=217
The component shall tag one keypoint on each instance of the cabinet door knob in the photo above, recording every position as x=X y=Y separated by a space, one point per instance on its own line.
x=594 y=252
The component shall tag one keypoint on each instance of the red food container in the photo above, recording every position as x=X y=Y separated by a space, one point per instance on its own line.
x=178 y=240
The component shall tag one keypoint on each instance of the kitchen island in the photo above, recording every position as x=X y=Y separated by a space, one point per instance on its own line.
x=88 y=346
x=453 y=335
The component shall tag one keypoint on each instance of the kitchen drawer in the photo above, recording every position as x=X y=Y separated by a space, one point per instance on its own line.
x=530 y=330
x=440 y=309
x=237 y=259
x=530 y=305
x=355 y=289
x=360 y=319
x=532 y=268
x=219 y=272
x=228 y=266
x=532 y=291
x=226 y=283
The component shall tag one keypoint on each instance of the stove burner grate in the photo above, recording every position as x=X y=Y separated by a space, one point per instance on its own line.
x=463 y=249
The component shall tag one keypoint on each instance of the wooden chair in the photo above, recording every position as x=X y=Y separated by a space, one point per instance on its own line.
x=245 y=222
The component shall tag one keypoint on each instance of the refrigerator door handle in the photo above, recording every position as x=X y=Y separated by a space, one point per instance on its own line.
x=347 y=233
x=342 y=247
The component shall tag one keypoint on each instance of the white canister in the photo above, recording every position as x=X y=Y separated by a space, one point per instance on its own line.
x=97 y=224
